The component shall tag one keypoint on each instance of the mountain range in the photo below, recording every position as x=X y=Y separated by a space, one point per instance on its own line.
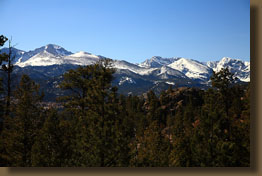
x=47 y=64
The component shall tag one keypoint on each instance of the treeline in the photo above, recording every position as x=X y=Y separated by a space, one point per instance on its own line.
x=97 y=127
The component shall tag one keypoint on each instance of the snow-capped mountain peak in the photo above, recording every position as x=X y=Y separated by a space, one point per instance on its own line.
x=157 y=61
x=53 y=46
x=55 y=50
x=191 y=68
x=239 y=68
x=226 y=59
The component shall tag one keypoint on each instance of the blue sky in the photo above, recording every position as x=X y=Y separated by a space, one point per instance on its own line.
x=132 y=30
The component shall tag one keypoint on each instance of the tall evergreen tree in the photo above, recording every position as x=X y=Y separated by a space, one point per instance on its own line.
x=22 y=125
x=104 y=121
x=207 y=131
x=8 y=68
x=48 y=148
x=99 y=134
x=223 y=82
x=3 y=57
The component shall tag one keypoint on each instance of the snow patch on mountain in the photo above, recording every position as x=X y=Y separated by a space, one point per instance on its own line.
x=166 y=72
x=157 y=61
x=191 y=68
x=126 y=80
x=82 y=54
x=132 y=67
x=170 y=83
x=42 y=59
x=81 y=58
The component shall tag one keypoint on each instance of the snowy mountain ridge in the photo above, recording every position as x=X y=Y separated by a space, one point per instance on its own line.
x=163 y=68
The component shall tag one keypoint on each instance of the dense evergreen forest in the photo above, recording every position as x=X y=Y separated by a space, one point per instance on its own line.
x=97 y=127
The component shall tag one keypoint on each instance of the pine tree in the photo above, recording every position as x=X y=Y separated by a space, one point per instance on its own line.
x=94 y=114
x=152 y=148
x=220 y=124
x=3 y=57
x=207 y=131
x=182 y=154
x=8 y=68
x=242 y=133
x=136 y=115
x=104 y=119
x=223 y=82
x=76 y=83
x=21 y=127
x=48 y=148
